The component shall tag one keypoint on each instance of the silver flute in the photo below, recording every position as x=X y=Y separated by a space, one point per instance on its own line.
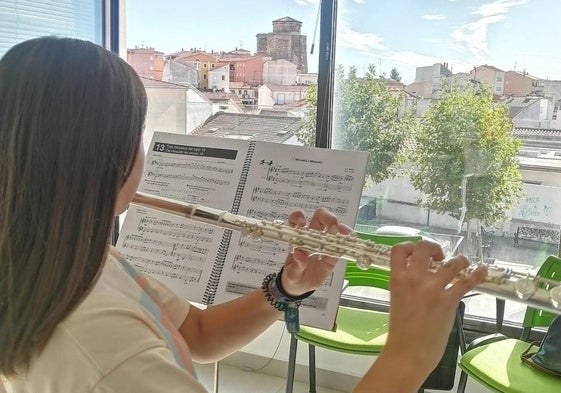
x=504 y=283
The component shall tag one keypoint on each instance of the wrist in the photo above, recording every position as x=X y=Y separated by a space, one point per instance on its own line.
x=289 y=294
x=414 y=363
x=280 y=300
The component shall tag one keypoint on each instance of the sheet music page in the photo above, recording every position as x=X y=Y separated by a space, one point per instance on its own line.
x=282 y=179
x=177 y=251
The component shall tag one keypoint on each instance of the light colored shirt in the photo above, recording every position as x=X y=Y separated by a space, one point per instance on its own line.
x=122 y=338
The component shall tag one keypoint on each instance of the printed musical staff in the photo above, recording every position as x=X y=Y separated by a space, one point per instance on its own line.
x=265 y=181
x=315 y=179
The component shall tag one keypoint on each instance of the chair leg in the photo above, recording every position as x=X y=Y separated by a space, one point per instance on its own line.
x=500 y=314
x=462 y=382
x=291 y=364
x=216 y=376
x=312 y=367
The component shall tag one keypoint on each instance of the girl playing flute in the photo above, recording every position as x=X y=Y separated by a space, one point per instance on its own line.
x=75 y=316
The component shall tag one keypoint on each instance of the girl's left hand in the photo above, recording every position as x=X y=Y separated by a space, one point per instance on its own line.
x=303 y=273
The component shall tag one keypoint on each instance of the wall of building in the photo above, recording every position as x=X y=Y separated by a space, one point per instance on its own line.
x=176 y=110
x=219 y=78
x=265 y=97
x=279 y=72
x=176 y=72
x=536 y=115
x=517 y=84
x=198 y=109
x=397 y=200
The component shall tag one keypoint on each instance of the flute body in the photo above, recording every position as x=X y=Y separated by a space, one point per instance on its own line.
x=500 y=282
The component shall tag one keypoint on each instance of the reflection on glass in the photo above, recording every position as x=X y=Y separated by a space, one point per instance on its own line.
x=462 y=125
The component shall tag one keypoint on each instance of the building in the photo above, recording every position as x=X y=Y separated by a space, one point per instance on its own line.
x=219 y=78
x=280 y=72
x=521 y=84
x=235 y=54
x=223 y=101
x=180 y=73
x=491 y=77
x=173 y=108
x=428 y=79
x=204 y=62
x=285 y=42
x=552 y=89
x=277 y=129
x=307 y=78
x=147 y=62
x=271 y=95
x=247 y=69
x=246 y=93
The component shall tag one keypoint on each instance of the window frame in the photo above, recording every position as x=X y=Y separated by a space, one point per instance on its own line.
x=474 y=326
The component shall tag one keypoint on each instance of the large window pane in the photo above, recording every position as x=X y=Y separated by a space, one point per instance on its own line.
x=25 y=19
x=458 y=106
x=226 y=72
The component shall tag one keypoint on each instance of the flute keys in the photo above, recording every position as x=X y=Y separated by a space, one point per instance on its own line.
x=525 y=288
x=363 y=262
x=555 y=296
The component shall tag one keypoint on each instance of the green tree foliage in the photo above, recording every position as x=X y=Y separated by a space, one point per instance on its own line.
x=394 y=75
x=367 y=117
x=465 y=137
x=307 y=133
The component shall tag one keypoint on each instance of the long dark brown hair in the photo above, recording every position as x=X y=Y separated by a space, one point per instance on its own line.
x=71 y=119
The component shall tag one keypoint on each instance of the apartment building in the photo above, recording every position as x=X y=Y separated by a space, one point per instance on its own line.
x=205 y=62
x=521 y=84
x=147 y=62
x=490 y=76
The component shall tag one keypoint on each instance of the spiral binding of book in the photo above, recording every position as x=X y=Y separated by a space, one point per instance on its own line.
x=216 y=273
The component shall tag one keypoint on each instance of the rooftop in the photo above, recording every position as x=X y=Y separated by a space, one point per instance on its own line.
x=254 y=127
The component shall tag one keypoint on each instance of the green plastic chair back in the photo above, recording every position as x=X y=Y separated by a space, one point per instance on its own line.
x=358 y=331
x=376 y=277
x=550 y=269
x=497 y=365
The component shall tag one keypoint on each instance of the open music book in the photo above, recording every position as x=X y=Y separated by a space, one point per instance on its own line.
x=207 y=264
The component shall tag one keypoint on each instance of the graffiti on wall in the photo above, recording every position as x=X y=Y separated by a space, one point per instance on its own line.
x=540 y=204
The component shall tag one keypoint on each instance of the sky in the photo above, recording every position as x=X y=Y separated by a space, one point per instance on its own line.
x=520 y=35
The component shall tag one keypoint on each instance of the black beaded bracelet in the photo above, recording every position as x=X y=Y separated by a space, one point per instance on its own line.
x=279 y=299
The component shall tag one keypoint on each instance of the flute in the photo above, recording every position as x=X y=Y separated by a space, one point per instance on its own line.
x=504 y=283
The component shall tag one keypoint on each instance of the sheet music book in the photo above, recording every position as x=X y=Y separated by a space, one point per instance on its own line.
x=209 y=265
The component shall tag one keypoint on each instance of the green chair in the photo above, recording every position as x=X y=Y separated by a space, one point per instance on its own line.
x=494 y=361
x=358 y=331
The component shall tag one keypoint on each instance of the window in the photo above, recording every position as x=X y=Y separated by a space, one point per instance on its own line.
x=25 y=19
x=407 y=82
x=183 y=111
x=433 y=174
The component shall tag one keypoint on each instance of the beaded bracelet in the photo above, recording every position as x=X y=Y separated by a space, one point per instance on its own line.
x=279 y=299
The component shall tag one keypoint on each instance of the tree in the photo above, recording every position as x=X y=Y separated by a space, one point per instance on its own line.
x=394 y=75
x=465 y=158
x=367 y=117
